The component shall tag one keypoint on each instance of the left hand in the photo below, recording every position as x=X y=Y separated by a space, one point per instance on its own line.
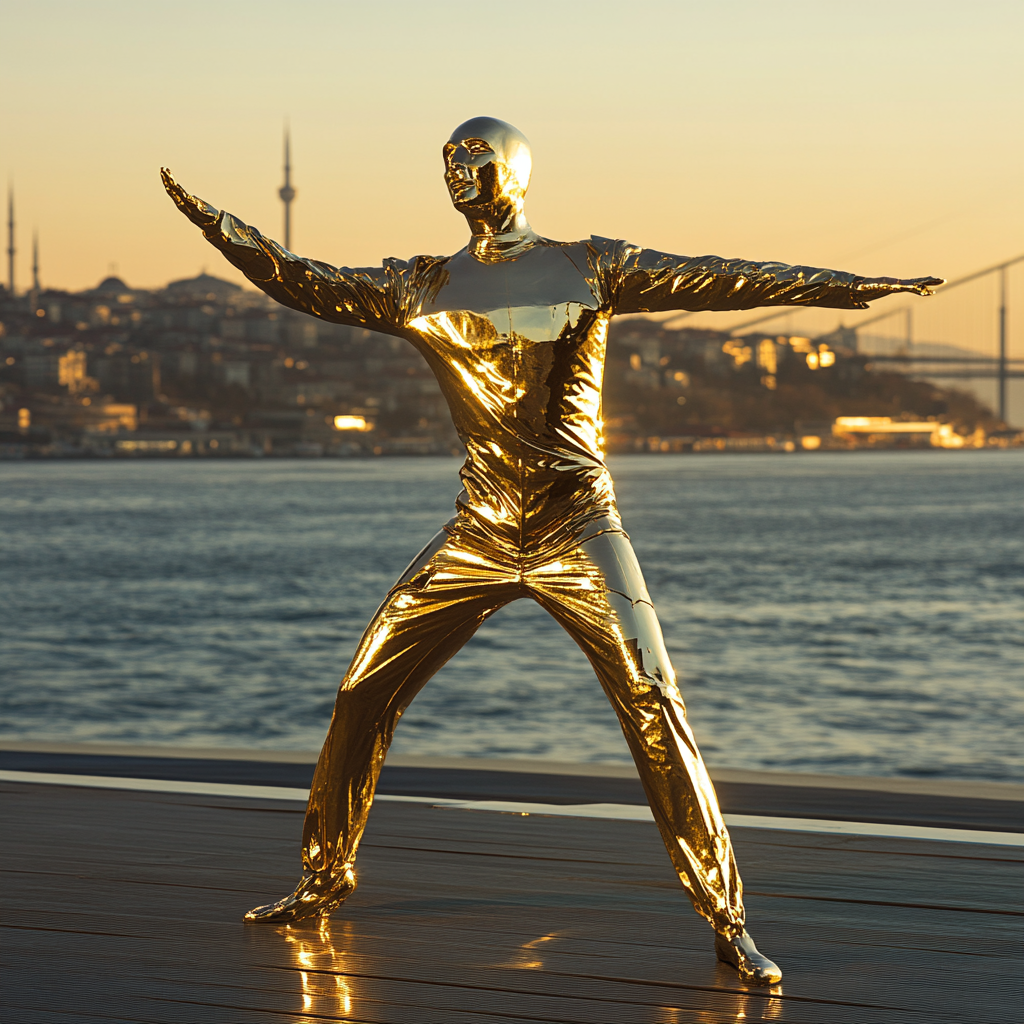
x=918 y=285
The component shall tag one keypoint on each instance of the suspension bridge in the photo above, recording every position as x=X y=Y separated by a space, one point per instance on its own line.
x=947 y=359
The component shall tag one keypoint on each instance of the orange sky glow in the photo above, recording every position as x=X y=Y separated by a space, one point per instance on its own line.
x=875 y=137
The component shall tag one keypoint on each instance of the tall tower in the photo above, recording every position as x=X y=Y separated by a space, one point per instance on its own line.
x=287 y=193
x=33 y=295
x=10 y=241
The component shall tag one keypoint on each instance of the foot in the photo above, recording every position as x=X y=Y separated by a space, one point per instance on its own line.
x=751 y=966
x=314 y=896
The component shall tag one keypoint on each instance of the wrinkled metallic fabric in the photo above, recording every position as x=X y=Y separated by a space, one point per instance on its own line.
x=591 y=584
x=517 y=342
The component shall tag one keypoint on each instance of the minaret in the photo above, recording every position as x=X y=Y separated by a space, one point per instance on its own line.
x=287 y=193
x=34 y=294
x=10 y=241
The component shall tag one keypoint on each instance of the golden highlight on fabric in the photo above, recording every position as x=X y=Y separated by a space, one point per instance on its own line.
x=515 y=327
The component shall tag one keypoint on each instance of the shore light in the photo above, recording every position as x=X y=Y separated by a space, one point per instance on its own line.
x=350 y=423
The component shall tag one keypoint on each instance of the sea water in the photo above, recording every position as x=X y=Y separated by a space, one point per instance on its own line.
x=855 y=613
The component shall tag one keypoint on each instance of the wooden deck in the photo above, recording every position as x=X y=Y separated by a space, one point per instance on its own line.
x=936 y=803
x=126 y=906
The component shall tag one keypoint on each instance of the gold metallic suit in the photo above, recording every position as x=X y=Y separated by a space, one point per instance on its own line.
x=515 y=327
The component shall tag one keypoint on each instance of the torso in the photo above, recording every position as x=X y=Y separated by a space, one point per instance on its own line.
x=518 y=347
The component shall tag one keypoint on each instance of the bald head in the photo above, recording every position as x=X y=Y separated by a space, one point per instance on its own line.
x=487 y=162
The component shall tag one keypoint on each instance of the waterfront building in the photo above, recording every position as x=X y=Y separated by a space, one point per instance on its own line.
x=203 y=360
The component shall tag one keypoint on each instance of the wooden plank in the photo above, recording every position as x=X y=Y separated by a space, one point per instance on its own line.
x=464 y=783
x=127 y=906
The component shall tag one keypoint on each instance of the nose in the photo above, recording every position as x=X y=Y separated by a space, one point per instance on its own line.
x=458 y=168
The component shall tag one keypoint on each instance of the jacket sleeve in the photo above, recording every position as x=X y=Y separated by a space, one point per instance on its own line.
x=646 y=281
x=379 y=298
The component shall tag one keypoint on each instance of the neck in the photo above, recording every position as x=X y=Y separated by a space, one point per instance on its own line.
x=500 y=234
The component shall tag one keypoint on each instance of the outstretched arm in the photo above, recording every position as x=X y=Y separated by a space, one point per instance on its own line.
x=646 y=281
x=380 y=298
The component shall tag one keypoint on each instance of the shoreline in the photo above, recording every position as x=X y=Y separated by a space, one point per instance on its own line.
x=14 y=452
x=978 y=789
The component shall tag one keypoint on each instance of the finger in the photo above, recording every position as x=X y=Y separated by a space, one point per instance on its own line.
x=926 y=285
x=173 y=189
x=168 y=180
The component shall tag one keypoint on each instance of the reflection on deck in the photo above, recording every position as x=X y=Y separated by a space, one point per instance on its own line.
x=127 y=906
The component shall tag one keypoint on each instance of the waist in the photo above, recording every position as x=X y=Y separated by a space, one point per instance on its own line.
x=526 y=502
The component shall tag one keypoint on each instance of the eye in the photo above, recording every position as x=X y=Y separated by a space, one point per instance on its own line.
x=476 y=146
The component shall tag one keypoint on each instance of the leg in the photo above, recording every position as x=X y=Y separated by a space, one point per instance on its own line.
x=434 y=608
x=598 y=594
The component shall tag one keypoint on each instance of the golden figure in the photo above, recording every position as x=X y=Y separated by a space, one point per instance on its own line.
x=514 y=326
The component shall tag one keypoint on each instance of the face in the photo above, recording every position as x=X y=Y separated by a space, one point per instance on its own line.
x=487 y=162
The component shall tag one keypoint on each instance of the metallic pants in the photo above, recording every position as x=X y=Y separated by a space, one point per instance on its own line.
x=593 y=587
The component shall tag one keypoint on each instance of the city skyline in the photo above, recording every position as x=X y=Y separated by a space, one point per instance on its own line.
x=973 y=318
x=878 y=142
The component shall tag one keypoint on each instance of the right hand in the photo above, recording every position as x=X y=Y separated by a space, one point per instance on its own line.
x=201 y=214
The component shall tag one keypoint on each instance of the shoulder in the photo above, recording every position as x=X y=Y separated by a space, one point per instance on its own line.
x=614 y=253
x=612 y=245
x=415 y=265
x=392 y=270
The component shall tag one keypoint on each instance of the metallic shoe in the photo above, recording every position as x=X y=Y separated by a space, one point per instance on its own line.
x=314 y=896
x=751 y=966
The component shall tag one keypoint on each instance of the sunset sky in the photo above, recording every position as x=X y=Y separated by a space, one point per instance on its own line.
x=884 y=138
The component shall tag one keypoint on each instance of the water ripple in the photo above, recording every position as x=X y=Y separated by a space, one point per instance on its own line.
x=836 y=613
